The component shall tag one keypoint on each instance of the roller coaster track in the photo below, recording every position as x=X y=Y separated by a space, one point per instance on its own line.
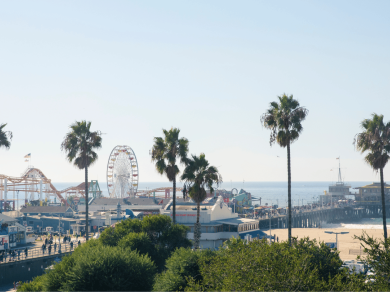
x=33 y=176
x=156 y=190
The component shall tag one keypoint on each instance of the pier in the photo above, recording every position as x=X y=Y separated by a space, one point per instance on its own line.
x=314 y=218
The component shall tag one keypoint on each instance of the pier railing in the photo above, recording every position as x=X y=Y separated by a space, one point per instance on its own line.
x=38 y=252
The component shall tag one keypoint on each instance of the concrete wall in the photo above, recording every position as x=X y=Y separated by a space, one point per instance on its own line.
x=25 y=270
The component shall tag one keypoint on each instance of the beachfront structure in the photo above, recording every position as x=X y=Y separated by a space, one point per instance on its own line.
x=62 y=211
x=337 y=191
x=218 y=222
x=371 y=194
x=12 y=233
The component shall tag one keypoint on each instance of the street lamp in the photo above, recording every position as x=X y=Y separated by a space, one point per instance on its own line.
x=337 y=233
x=270 y=216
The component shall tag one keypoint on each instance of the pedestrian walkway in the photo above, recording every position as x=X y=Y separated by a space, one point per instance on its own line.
x=25 y=254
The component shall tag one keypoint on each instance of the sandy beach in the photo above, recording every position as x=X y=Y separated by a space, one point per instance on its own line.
x=348 y=246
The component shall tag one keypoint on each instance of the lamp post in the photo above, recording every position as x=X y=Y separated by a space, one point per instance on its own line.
x=270 y=216
x=337 y=233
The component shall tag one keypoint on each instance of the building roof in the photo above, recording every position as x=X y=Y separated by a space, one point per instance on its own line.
x=103 y=208
x=109 y=201
x=374 y=185
x=46 y=209
x=237 y=221
x=5 y=218
x=142 y=201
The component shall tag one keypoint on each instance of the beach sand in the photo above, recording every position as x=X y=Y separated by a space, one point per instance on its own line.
x=348 y=246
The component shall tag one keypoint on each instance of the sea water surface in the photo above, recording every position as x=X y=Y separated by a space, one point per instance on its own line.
x=274 y=193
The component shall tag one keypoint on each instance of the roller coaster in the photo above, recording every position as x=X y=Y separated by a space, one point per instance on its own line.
x=33 y=181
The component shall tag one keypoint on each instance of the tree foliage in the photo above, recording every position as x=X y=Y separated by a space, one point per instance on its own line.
x=182 y=265
x=95 y=267
x=158 y=233
x=165 y=152
x=378 y=259
x=79 y=145
x=37 y=284
x=375 y=139
x=199 y=174
x=258 y=265
x=138 y=241
x=284 y=119
x=5 y=137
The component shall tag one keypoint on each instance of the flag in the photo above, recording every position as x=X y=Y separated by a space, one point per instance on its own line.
x=28 y=155
x=338 y=158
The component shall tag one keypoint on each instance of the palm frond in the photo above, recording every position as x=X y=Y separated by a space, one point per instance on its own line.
x=284 y=119
x=80 y=144
x=199 y=174
x=375 y=139
x=5 y=137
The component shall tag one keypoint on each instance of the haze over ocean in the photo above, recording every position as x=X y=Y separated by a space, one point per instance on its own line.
x=270 y=192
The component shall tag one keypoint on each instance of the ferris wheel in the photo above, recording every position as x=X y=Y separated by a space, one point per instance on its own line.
x=122 y=173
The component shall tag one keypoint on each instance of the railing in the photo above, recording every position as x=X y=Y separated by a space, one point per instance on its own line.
x=21 y=255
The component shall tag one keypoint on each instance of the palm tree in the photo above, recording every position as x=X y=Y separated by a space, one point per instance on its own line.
x=5 y=137
x=165 y=152
x=375 y=139
x=79 y=145
x=284 y=119
x=199 y=175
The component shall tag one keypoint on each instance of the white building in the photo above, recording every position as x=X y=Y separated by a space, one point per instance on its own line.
x=218 y=222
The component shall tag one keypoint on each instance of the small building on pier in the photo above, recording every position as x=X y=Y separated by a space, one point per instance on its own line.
x=337 y=191
x=371 y=194
x=218 y=222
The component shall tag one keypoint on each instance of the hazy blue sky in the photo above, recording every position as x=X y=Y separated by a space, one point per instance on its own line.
x=208 y=67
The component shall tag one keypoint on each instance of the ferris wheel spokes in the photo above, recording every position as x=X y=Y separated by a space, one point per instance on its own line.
x=122 y=172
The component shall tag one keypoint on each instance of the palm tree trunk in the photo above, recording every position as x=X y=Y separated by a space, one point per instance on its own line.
x=289 y=192
x=197 y=213
x=86 y=204
x=174 y=201
x=197 y=227
x=383 y=205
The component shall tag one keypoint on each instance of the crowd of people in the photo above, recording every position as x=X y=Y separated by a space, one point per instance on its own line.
x=49 y=245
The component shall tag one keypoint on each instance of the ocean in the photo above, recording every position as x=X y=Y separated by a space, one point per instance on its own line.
x=274 y=193
x=269 y=193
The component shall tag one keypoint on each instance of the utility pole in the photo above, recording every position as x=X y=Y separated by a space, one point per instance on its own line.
x=270 y=235
x=59 y=228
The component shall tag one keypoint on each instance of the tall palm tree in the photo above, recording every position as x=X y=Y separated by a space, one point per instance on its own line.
x=284 y=119
x=165 y=152
x=5 y=137
x=199 y=174
x=79 y=145
x=375 y=139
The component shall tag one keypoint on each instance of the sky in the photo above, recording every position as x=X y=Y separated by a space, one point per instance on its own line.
x=210 y=68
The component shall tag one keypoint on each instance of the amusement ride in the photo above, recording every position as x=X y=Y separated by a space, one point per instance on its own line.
x=122 y=173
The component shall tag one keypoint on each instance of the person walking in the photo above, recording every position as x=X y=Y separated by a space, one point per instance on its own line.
x=71 y=245
x=18 y=254
x=49 y=249
x=43 y=248
x=55 y=246
x=45 y=240
x=26 y=252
